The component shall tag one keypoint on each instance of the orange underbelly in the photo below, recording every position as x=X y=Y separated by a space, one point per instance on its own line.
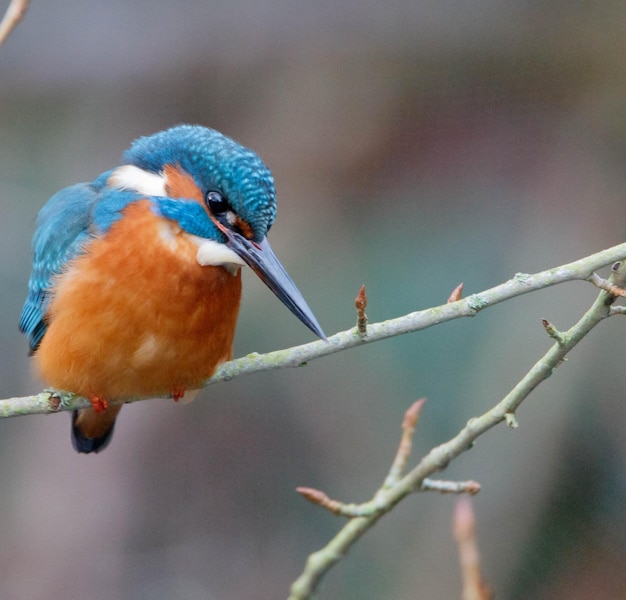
x=137 y=315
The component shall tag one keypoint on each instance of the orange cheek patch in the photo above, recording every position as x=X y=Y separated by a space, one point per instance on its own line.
x=181 y=185
x=244 y=227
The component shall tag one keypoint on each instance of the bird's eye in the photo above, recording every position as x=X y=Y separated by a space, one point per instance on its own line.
x=216 y=203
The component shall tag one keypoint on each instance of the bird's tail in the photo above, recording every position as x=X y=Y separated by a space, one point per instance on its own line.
x=91 y=430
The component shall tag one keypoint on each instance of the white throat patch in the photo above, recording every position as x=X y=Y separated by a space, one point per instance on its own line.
x=217 y=255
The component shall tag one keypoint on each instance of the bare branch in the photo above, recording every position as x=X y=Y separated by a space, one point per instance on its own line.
x=474 y=588
x=341 y=509
x=411 y=417
x=14 y=14
x=321 y=499
x=552 y=331
x=336 y=507
x=299 y=355
x=320 y=562
x=451 y=487
x=606 y=285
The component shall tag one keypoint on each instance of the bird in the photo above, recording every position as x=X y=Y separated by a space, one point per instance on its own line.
x=136 y=279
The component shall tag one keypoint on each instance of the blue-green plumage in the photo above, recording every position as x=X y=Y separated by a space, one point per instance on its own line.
x=216 y=162
x=62 y=230
x=75 y=214
x=208 y=184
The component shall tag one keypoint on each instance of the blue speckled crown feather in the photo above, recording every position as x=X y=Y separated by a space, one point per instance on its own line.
x=216 y=162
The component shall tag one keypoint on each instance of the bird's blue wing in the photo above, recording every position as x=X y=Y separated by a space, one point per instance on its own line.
x=62 y=231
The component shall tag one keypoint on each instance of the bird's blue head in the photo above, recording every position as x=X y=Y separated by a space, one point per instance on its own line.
x=215 y=189
x=224 y=171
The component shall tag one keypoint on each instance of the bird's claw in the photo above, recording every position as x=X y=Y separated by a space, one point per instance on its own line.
x=177 y=393
x=99 y=404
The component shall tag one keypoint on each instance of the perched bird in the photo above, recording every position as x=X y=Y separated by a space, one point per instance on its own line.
x=136 y=278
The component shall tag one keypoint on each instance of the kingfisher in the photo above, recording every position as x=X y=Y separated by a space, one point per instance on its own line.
x=136 y=279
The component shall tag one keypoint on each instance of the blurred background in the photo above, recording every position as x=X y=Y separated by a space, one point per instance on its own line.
x=414 y=146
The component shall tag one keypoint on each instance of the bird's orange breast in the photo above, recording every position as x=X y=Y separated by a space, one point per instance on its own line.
x=136 y=315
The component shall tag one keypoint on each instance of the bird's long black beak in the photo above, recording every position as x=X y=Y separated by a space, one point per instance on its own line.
x=261 y=259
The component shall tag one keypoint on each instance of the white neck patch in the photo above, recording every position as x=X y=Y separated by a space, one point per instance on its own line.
x=130 y=177
x=211 y=253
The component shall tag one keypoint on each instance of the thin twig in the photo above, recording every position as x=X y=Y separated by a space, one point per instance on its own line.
x=351 y=511
x=552 y=331
x=411 y=417
x=606 y=285
x=360 y=303
x=451 y=487
x=13 y=15
x=416 y=321
x=474 y=588
x=338 y=508
x=320 y=562
x=321 y=499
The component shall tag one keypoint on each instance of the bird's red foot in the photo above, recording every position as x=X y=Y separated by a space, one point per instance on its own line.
x=177 y=393
x=99 y=404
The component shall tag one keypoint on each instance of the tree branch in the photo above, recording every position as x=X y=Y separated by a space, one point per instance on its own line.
x=14 y=14
x=51 y=401
x=474 y=587
x=365 y=516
